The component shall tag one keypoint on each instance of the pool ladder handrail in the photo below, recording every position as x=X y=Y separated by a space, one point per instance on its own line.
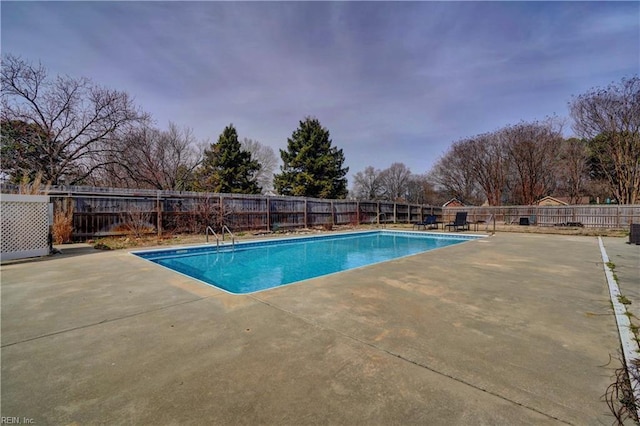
x=233 y=237
x=224 y=227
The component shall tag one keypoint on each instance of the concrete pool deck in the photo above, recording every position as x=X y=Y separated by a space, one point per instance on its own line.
x=511 y=329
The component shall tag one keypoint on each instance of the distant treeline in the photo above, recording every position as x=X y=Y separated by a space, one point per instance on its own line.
x=72 y=131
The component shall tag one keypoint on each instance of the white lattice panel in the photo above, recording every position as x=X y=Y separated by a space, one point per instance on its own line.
x=24 y=226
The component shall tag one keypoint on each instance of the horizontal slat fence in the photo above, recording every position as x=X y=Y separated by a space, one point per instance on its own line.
x=347 y=213
x=108 y=211
x=591 y=216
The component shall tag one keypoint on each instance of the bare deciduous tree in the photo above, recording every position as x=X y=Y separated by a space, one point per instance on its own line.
x=367 y=184
x=514 y=164
x=533 y=149
x=454 y=173
x=73 y=118
x=151 y=158
x=612 y=114
x=266 y=157
x=394 y=181
x=420 y=190
x=573 y=168
x=490 y=165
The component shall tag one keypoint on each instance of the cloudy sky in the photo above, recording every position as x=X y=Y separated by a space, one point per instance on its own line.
x=391 y=81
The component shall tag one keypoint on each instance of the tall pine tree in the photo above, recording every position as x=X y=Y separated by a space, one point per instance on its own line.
x=312 y=167
x=226 y=167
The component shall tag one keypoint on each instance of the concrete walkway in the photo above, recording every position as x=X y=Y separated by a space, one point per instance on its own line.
x=626 y=259
x=512 y=329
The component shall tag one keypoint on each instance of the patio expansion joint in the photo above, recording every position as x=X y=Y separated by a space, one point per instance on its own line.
x=104 y=321
x=404 y=358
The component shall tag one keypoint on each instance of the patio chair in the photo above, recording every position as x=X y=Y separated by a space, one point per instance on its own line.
x=429 y=222
x=460 y=222
x=478 y=222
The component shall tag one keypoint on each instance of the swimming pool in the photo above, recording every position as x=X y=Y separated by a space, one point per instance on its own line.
x=248 y=267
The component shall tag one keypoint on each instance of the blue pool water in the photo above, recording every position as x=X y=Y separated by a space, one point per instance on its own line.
x=254 y=266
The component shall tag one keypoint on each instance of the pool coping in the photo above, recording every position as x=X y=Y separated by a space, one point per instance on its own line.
x=259 y=243
x=226 y=244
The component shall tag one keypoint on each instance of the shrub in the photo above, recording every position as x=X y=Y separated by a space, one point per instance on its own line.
x=621 y=396
x=62 y=229
x=135 y=222
x=36 y=187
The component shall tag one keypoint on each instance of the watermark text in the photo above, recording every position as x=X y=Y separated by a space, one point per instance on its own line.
x=10 y=420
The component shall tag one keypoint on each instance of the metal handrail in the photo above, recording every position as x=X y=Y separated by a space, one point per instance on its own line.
x=214 y=234
x=224 y=228
x=233 y=237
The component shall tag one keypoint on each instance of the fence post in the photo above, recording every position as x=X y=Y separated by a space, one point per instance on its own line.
x=358 y=213
x=269 y=226
x=158 y=214
x=267 y=203
x=221 y=206
x=305 y=212
x=618 y=216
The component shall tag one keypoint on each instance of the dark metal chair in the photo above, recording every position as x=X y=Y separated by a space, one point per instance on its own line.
x=429 y=222
x=460 y=222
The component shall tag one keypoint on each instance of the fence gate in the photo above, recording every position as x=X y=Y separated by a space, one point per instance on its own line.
x=25 y=226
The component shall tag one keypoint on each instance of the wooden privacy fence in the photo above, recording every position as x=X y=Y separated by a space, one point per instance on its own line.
x=111 y=211
x=104 y=211
x=592 y=216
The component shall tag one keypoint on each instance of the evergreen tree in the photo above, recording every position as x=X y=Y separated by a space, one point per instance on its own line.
x=312 y=167
x=226 y=167
x=22 y=154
